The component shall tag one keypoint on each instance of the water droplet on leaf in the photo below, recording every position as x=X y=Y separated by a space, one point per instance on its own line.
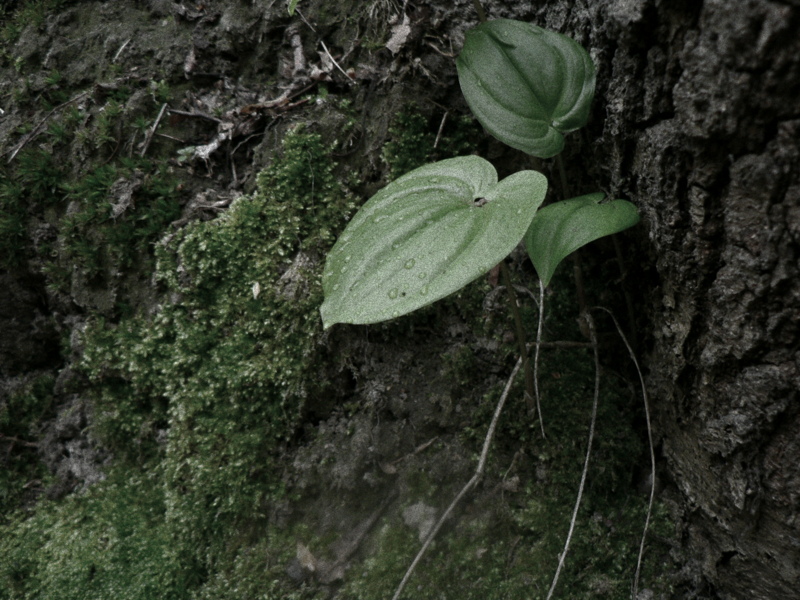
x=393 y=293
x=409 y=263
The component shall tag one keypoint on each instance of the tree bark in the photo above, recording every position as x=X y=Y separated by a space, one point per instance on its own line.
x=701 y=129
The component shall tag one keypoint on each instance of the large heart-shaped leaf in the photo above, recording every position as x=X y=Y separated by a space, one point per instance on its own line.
x=559 y=229
x=424 y=236
x=526 y=85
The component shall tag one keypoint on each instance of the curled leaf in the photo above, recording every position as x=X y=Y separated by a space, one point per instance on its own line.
x=559 y=229
x=526 y=85
x=425 y=236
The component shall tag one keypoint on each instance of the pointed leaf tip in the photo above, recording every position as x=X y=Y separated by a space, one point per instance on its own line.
x=561 y=228
x=423 y=237
x=526 y=85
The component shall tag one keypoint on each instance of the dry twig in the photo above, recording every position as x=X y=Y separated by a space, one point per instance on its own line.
x=149 y=137
x=470 y=484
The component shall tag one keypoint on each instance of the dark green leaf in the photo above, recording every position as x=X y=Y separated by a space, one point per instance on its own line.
x=526 y=85
x=559 y=229
x=424 y=237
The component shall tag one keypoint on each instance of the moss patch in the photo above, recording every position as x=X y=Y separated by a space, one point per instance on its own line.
x=211 y=386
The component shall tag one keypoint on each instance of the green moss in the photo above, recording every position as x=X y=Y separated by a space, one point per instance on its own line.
x=21 y=412
x=224 y=371
x=13 y=222
x=26 y=13
x=39 y=174
x=99 y=237
x=412 y=140
x=110 y=543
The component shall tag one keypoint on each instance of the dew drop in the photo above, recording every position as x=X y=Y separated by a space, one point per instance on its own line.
x=410 y=263
x=519 y=211
x=424 y=290
x=347 y=258
x=396 y=313
x=343 y=270
x=335 y=286
x=422 y=275
x=393 y=293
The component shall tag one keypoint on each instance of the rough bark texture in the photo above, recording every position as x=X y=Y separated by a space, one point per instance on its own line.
x=702 y=130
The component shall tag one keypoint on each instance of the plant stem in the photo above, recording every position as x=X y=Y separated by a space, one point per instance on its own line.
x=479 y=9
x=536 y=356
x=562 y=557
x=626 y=291
x=652 y=451
x=470 y=484
x=530 y=386
x=576 y=261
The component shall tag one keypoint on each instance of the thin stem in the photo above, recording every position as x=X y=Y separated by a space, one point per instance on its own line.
x=562 y=557
x=470 y=484
x=479 y=9
x=652 y=451
x=626 y=291
x=521 y=339
x=536 y=356
x=576 y=261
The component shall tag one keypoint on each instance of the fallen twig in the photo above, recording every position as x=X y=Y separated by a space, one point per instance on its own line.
x=470 y=484
x=149 y=137
x=39 y=126
x=441 y=127
x=336 y=64
x=198 y=115
x=14 y=440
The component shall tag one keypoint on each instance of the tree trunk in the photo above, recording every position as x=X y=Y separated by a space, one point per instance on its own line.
x=702 y=105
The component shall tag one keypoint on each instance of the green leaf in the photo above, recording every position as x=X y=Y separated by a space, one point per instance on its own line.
x=559 y=229
x=423 y=237
x=292 y=6
x=526 y=85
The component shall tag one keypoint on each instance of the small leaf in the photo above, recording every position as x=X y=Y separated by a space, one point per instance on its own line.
x=559 y=229
x=292 y=6
x=424 y=236
x=526 y=85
